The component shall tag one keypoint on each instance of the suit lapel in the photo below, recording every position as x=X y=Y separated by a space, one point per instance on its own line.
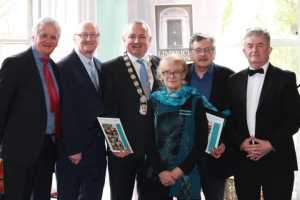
x=56 y=75
x=154 y=63
x=242 y=91
x=214 y=88
x=267 y=84
x=84 y=72
x=36 y=75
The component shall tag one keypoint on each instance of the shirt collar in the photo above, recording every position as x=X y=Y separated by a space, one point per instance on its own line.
x=37 y=55
x=134 y=59
x=83 y=58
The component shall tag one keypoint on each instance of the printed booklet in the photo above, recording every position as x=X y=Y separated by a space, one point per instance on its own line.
x=114 y=134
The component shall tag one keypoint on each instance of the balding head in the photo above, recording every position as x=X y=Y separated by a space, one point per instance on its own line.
x=86 y=38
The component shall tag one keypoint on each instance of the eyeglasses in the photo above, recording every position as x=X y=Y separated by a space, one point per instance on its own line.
x=205 y=50
x=86 y=35
x=170 y=73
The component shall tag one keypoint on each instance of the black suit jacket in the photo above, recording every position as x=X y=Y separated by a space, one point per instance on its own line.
x=82 y=104
x=122 y=100
x=218 y=167
x=23 y=115
x=277 y=119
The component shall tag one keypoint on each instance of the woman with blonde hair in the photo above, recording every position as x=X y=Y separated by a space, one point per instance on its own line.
x=181 y=132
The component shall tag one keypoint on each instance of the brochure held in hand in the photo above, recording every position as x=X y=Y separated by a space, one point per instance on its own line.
x=114 y=134
x=215 y=126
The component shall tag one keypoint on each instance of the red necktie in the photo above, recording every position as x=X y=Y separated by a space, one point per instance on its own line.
x=53 y=96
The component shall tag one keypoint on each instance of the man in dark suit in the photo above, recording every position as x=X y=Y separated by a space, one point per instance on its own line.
x=265 y=113
x=30 y=116
x=125 y=97
x=211 y=81
x=82 y=160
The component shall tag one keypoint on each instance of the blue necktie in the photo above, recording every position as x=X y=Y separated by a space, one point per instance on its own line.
x=144 y=77
x=93 y=75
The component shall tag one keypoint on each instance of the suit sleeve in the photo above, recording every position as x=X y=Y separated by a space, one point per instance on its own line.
x=109 y=93
x=233 y=138
x=289 y=111
x=71 y=130
x=225 y=136
x=8 y=84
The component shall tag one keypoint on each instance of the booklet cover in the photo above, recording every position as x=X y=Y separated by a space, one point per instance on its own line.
x=215 y=126
x=114 y=134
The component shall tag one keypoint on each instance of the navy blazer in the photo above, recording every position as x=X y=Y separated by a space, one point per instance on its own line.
x=23 y=115
x=82 y=104
x=277 y=119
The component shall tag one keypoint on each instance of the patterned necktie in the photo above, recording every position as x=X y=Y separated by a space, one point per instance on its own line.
x=53 y=95
x=93 y=75
x=144 y=77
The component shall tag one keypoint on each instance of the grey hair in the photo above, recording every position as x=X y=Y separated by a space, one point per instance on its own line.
x=46 y=21
x=130 y=25
x=84 y=23
x=257 y=31
x=197 y=37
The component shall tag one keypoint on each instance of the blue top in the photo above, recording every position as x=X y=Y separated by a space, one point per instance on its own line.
x=203 y=84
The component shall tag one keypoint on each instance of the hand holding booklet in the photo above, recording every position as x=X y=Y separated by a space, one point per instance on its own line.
x=215 y=126
x=114 y=134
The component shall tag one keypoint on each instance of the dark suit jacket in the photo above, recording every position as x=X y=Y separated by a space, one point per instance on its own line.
x=23 y=115
x=277 y=119
x=82 y=104
x=122 y=100
x=217 y=167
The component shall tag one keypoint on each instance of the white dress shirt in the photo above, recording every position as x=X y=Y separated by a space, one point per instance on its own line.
x=254 y=87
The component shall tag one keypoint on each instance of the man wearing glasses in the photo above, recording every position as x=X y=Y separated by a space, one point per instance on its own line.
x=210 y=79
x=82 y=160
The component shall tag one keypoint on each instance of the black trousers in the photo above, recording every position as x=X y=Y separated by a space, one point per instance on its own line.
x=84 y=182
x=212 y=187
x=30 y=182
x=122 y=175
x=274 y=186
